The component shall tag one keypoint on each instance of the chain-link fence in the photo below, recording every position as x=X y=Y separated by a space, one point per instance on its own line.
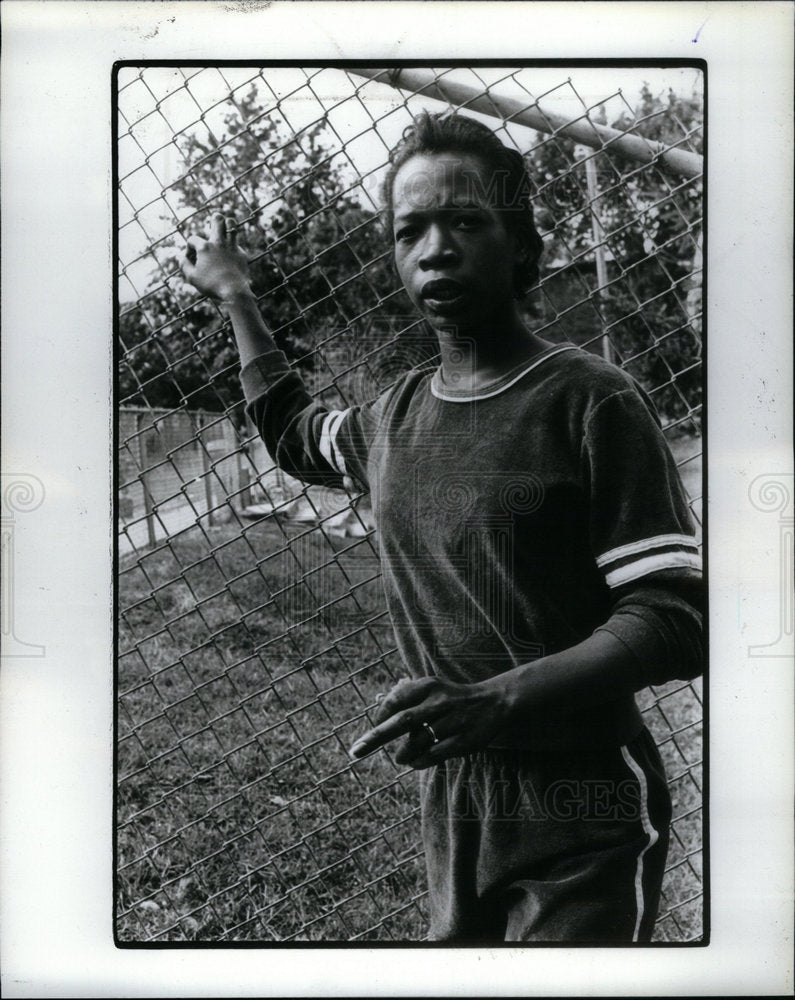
x=252 y=637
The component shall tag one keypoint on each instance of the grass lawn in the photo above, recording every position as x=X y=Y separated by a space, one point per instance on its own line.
x=240 y=815
x=249 y=659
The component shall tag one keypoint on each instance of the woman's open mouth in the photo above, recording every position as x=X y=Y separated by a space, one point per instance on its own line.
x=443 y=294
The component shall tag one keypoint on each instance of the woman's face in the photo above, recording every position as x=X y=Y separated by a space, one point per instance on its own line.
x=453 y=253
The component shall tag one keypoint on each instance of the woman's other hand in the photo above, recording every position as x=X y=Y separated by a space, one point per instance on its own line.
x=439 y=719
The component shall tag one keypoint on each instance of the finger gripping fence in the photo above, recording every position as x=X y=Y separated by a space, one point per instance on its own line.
x=252 y=637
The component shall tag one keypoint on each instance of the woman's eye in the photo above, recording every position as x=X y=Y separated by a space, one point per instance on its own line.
x=466 y=222
x=405 y=234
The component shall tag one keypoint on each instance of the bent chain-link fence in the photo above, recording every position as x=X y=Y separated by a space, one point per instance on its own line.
x=252 y=638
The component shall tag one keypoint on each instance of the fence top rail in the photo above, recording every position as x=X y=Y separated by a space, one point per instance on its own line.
x=426 y=81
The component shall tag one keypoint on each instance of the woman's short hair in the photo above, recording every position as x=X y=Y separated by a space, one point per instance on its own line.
x=456 y=133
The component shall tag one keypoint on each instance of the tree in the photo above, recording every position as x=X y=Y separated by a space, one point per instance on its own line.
x=321 y=266
x=652 y=227
x=319 y=262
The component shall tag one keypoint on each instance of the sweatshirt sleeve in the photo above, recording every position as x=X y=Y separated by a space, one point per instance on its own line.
x=643 y=539
x=302 y=436
x=660 y=620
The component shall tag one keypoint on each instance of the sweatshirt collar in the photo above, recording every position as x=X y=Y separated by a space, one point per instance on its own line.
x=441 y=390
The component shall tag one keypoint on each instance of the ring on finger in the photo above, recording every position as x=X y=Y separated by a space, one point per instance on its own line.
x=429 y=730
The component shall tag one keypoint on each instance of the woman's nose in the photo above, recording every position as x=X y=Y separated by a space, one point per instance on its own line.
x=437 y=249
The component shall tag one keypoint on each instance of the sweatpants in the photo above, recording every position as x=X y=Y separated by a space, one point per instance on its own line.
x=524 y=846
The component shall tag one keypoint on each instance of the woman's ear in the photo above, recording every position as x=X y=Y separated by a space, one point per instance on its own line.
x=386 y=228
x=521 y=248
x=522 y=253
x=528 y=249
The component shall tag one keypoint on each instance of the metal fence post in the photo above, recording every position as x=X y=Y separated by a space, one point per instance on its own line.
x=149 y=501
x=243 y=479
x=206 y=467
x=599 y=248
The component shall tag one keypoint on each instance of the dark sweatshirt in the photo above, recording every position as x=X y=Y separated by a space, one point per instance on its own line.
x=512 y=522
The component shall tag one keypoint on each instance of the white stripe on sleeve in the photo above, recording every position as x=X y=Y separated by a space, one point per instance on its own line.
x=651 y=564
x=633 y=548
x=328 y=440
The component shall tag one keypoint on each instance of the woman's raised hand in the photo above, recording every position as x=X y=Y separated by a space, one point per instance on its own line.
x=217 y=266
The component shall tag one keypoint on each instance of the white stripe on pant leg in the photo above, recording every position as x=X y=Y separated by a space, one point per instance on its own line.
x=649 y=830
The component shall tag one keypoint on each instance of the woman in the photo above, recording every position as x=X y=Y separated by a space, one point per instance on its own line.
x=538 y=557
